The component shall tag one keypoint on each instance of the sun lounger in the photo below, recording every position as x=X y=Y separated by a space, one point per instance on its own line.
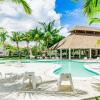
x=85 y=58
x=97 y=83
x=65 y=83
x=9 y=75
x=53 y=57
x=98 y=58
x=32 y=79
x=18 y=64
x=57 y=57
x=8 y=63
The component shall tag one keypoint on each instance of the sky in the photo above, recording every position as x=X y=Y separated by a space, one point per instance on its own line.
x=65 y=12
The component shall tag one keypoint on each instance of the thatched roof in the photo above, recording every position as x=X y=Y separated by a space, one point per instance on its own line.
x=83 y=28
x=78 y=41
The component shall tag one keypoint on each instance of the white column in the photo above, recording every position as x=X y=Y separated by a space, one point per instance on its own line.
x=50 y=53
x=66 y=53
x=69 y=53
x=60 y=53
x=90 y=54
x=55 y=53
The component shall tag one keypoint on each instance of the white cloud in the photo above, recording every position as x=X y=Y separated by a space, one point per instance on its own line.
x=13 y=17
x=65 y=31
x=75 y=13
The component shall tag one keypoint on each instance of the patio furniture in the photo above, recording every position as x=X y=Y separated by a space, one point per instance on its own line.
x=98 y=58
x=18 y=64
x=8 y=63
x=65 y=82
x=96 y=84
x=35 y=80
x=85 y=58
x=10 y=75
x=57 y=57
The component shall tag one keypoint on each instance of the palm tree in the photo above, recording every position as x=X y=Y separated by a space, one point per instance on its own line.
x=27 y=37
x=47 y=38
x=3 y=37
x=49 y=31
x=24 y=5
x=90 y=9
x=37 y=37
x=16 y=37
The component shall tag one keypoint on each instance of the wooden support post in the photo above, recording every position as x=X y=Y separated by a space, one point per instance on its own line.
x=60 y=53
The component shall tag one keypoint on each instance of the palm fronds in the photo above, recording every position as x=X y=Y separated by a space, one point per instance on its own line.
x=24 y=4
x=94 y=20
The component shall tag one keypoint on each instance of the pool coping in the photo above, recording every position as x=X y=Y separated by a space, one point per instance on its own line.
x=91 y=69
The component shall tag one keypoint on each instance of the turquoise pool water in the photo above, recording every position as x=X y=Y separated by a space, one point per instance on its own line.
x=76 y=68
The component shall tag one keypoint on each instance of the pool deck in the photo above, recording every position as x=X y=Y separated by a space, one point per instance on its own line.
x=10 y=90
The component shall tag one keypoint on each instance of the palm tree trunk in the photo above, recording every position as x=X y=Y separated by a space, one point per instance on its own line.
x=4 y=48
x=18 y=49
x=27 y=48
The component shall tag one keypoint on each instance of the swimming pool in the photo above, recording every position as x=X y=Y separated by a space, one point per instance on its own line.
x=76 y=68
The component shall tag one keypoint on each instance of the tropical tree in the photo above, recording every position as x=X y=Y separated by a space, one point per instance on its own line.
x=47 y=37
x=50 y=32
x=37 y=37
x=91 y=8
x=3 y=37
x=27 y=37
x=16 y=37
x=24 y=5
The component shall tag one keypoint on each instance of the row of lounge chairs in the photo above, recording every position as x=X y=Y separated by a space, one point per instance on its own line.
x=64 y=83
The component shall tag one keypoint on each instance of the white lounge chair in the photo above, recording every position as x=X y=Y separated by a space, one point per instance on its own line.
x=18 y=64
x=53 y=57
x=10 y=75
x=65 y=83
x=85 y=58
x=96 y=84
x=57 y=57
x=98 y=58
x=8 y=63
x=32 y=79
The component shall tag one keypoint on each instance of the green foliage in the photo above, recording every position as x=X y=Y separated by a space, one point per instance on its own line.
x=98 y=41
x=90 y=9
x=27 y=36
x=3 y=36
x=24 y=5
x=50 y=33
x=44 y=37
x=16 y=37
x=94 y=20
